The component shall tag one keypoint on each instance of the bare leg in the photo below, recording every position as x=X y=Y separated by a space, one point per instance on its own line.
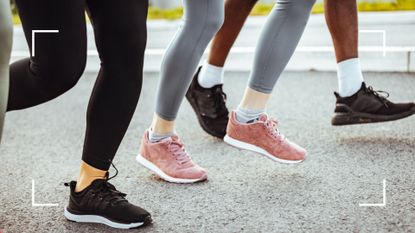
x=341 y=18
x=342 y=21
x=236 y=12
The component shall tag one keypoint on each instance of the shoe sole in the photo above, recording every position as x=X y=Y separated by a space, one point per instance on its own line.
x=353 y=118
x=199 y=118
x=150 y=166
x=102 y=220
x=246 y=146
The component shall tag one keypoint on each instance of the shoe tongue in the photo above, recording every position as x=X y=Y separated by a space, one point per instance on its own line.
x=217 y=87
x=263 y=117
x=174 y=137
x=363 y=87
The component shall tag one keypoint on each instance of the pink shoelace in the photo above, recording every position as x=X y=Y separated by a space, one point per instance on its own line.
x=271 y=125
x=177 y=149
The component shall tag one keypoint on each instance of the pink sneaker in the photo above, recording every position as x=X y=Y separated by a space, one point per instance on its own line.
x=263 y=137
x=169 y=160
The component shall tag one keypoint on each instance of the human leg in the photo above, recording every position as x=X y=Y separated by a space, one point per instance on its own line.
x=60 y=58
x=249 y=127
x=120 y=33
x=6 y=38
x=205 y=93
x=355 y=102
x=201 y=21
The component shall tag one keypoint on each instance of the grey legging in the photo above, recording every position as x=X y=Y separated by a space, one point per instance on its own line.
x=201 y=20
x=278 y=40
x=6 y=36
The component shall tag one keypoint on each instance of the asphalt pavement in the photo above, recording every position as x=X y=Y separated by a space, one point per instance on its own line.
x=245 y=192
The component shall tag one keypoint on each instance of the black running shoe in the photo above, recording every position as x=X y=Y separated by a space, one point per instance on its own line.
x=209 y=105
x=102 y=203
x=369 y=106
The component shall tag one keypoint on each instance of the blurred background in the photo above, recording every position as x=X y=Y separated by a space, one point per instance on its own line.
x=172 y=9
x=389 y=16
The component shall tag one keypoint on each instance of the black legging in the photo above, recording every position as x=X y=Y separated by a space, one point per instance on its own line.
x=120 y=36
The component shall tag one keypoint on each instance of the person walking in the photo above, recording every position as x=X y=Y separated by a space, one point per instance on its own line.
x=57 y=65
x=356 y=103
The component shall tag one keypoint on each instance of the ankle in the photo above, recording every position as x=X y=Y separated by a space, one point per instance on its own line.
x=210 y=75
x=87 y=175
x=244 y=115
x=154 y=137
x=253 y=99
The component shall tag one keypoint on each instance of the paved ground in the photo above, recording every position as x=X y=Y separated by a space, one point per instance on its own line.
x=245 y=192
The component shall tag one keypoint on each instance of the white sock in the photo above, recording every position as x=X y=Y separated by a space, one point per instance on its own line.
x=210 y=75
x=350 y=78
x=155 y=137
x=244 y=115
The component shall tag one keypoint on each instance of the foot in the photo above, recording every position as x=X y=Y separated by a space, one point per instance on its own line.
x=263 y=137
x=169 y=160
x=368 y=106
x=102 y=203
x=209 y=105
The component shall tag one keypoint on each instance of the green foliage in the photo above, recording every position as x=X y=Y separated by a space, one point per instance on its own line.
x=155 y=13
x=399 y=5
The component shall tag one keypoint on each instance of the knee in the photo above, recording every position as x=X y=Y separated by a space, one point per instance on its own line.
x=61 y=74
x=215 y=21
x=72 y=74
x=304 y=6
x=298 y=10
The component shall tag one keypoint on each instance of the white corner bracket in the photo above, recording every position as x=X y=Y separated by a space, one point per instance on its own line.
x=34 y=204
x=383 y=32
x=383 y=204
x=34 y=35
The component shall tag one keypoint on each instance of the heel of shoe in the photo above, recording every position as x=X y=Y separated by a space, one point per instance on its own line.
x=341 y=119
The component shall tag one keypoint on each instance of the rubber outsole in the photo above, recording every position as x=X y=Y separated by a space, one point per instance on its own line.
x=150 y=166
x=246 y=146
x=102 y=220
x=354 y=118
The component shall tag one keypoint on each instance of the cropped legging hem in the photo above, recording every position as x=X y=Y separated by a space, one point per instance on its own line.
x=260 y=88
x=166 y=116
x=201 y=20
x=277 y=42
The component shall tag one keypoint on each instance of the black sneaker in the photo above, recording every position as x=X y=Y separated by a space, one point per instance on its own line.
x=209 y=105
x=369 y=106
x=102 y=203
